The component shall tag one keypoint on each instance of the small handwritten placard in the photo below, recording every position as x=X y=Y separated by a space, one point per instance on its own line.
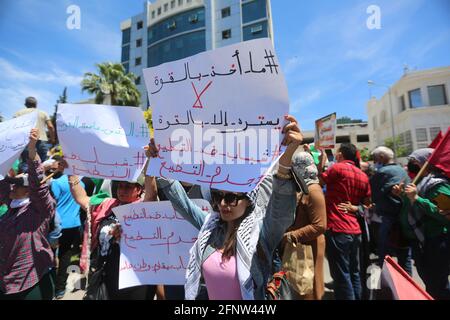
x=155 y=243
x=14 y=137
x=102 y=141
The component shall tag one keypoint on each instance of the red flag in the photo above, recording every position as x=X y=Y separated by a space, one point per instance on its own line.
x=440 y=158
x=436 y=140
x=396 y=283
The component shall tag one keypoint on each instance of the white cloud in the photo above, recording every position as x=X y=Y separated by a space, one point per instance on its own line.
x=292 y=64
x=305 y=100
x=11 y=72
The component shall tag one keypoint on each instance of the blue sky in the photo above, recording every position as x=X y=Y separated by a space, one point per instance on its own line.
x=325 y=48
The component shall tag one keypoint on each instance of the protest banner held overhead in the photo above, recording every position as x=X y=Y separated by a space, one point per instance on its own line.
x=325 y=135
x=218 y=115
x=155 y=243
x=14 y=137
x=102 y=141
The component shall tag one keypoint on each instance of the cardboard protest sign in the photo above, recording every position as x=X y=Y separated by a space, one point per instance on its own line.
x=325 y=136
x=155 y=243
x=102 y=141
x=14 y=137
x=218 y=115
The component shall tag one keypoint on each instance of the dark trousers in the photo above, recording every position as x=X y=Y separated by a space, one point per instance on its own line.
x=69 y=245
x=343 y=258
x=387 y=227
x=43 y=290
x=433 y=265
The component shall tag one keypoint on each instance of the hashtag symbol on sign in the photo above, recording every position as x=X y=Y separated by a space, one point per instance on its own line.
x=271 y=62
x=140 y=159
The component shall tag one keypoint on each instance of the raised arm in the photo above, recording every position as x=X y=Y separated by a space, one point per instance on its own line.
x=39 y=193
x=281 y=207
x=176 y=194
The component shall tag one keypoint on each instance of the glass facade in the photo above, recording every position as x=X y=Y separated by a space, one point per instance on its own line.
x=254 y=10
x=125 y=53
x=126 y=33
x=255 y=31
x=176 y=48
x=186 y=21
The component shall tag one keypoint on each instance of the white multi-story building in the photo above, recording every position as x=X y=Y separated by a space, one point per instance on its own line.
x=356 y=133
x=420 y=108
x=169 y=30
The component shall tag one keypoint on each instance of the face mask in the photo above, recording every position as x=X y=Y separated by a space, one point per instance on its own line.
x=17 y=203
x=413 y=168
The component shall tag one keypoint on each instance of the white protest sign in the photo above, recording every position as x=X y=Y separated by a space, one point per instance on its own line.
x=102 y=141
x=14 y=137
x=155 y=243
x=218 y=115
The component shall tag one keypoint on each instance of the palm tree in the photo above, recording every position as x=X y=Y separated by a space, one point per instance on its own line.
x=113 y=83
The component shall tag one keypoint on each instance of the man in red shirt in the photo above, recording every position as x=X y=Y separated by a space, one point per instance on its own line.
x=347 y=187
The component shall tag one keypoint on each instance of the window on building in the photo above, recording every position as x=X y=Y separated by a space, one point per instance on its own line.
x=138 y=61
x=140 y=25
x=257 y=29
x=193 y=18
x=126 y=34
x=125 y=53
x=434 y=132
x=437 y=95
x=166 y=7
x=415 y=98
x=171 y=25
x=159 y=11
x=421 y=135
x=342 y=139
x=226 y=12
x=402 y=103
x=254 y=10
x=180 y=2
x=362 y=138
x=138 y=43
x=153 y=14
x=172 y=4
x=137 y=81
x=226 y=34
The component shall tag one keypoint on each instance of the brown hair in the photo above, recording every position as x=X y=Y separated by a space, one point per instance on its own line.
x=229 y=248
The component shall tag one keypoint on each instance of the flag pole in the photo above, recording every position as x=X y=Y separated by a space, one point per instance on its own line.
x=420 y=173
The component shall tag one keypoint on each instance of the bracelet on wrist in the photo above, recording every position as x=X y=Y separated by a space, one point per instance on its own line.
x=284 y=167
x=283 y=176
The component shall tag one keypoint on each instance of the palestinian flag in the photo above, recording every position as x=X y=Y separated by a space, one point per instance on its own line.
x=396 y=284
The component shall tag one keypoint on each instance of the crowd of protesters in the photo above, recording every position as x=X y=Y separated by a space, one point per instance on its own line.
x=350 y=211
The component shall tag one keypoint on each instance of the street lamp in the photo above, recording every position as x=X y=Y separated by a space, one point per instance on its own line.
x=370 y=82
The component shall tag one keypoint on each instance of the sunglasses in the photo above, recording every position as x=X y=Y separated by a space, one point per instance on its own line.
x=230 y=198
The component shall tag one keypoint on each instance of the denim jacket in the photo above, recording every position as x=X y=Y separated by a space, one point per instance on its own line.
x=273 y=214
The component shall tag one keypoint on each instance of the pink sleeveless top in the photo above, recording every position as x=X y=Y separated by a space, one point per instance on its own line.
x=221 y=278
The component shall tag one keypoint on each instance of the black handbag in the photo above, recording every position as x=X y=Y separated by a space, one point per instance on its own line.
x=96 y=286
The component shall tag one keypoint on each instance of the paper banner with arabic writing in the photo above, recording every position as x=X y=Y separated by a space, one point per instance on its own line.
x=14 y=137
x=102 y=141
x=325 y=135
x=155 y=243
x=218 y=115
